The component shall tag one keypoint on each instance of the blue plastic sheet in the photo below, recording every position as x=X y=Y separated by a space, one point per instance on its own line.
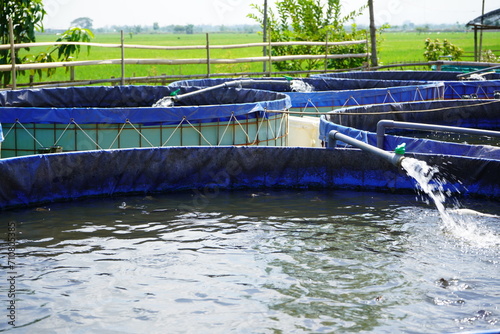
x=39 y=179
x=329 y=92
x=414 y=145
x=97 y=105
x=454 y=88
x=481 y=114
x=1 y=133
x=402 y=75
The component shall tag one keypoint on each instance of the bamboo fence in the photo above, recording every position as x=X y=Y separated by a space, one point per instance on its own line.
x=208 y=61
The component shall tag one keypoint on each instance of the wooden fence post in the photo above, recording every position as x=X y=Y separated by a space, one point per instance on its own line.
x=208 y=56
x=12 y=53
x=123 y=59
x=270 y=53
x=326 y=52
x=268 y=60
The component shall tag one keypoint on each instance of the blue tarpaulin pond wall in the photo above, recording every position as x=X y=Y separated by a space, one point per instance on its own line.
x=86 y=118
x=361 y=123
x=328 y=94
x=454 y=88
x=38 y=179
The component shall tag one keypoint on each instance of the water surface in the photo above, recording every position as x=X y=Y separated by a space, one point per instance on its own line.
x=254 y=262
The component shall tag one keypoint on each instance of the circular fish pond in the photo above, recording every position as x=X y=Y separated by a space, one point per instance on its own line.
x=448 y=122
x=457 y=85
x=312 y=95
x=88 y=118
x=252 y=239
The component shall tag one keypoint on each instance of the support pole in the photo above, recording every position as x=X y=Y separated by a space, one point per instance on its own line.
x=475 y=44
x=480 y=56
x=12 y=53
x=373 y=35
x=270 y=69
x=208 y=56
x=264 y=36
x=123 y=59
x=326 y=52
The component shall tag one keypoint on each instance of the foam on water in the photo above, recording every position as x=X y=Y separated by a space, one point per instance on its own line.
x=461 y=223
x=301 y=86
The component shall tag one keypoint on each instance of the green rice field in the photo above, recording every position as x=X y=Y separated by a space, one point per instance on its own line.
x=395 y=48
x=409 y=47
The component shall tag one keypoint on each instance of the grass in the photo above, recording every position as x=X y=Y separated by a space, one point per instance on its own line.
x=395 y=48
x=409 y=47
x=108 y=71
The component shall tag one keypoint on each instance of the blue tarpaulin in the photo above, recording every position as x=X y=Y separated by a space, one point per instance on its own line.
x=425 y=76
x=97 y=105
x=454 y=87
x=361 y=123
x=38 y=179
x=335 y=92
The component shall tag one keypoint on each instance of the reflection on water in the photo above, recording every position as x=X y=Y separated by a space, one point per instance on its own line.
x=263 y=262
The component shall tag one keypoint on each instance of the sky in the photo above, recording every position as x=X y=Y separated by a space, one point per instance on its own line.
x=60 y=13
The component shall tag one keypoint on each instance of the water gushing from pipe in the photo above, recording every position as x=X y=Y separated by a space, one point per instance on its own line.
x=454 y=221
x=461 y=223
x=301 y=86
x=165 y=102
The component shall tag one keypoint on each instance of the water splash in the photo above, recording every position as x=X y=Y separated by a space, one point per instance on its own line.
x=165 y=102
x=477 y=77
x=301 y=86
x=462 y=223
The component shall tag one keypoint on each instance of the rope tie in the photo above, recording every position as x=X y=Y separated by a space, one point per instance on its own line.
x=387 y=112
x=389 y=95
x=139 y=132
x=17 y=122
x=225 y=130
x=86 y=134
x=117 y=135
x=419 y=93
x=64 y=131
x=195 y=129
x=349 y=99
x=269 y=125
x=241 y=126
x=13 y=125
x=173 y=132
x=259 y=126
x=479 y=87
x=309 y=101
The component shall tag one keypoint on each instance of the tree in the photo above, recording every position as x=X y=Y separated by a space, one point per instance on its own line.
x=422 y=29
x=82 y=22
x=189 y=29
x=178 y=29
x=156 y=26
x=63 y=52
x=434 y=50
x=310 y=20
x=27 y=17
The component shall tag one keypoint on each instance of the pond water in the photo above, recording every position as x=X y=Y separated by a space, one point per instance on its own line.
x=253 y=262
